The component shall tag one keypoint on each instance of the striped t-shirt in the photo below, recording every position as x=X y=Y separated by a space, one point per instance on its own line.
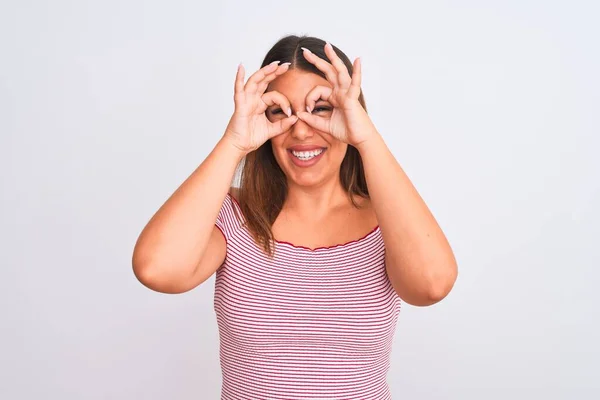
x=307 y=324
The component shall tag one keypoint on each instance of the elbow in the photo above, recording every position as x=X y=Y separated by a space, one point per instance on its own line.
x=442 y=285
x=430 y=290
x=438 y=293
x=147 y=270
x=154 y=277
x=162 y=277
x=141 y=260
x=143 y=269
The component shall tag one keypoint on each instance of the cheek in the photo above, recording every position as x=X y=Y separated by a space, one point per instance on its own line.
x=339 y=152
x=276 y=143
x=277 y=147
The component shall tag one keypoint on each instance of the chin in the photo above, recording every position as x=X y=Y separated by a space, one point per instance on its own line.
x=306 y=179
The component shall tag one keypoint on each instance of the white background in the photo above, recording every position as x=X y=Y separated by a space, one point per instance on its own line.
x=492 y=108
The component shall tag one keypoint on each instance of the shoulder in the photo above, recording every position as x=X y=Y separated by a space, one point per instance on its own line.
x=233 y=196
x=229 y=218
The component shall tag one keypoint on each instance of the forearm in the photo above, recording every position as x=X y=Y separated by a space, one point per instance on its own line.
x=176 y=236
x=419 y=260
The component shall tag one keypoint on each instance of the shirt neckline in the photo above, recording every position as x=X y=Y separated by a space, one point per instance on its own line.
x=340 y=245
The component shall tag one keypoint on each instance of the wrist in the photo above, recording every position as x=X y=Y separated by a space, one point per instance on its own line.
x=360 y=126
x=229 y=146
x=370 y=141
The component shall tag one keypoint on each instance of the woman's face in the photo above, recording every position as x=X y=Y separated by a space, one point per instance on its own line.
x=307 y=156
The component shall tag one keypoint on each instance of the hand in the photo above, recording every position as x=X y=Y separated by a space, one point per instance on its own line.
x=349 y=121
x=249 y=128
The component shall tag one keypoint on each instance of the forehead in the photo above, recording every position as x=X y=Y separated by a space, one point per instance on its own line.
x=295 y=84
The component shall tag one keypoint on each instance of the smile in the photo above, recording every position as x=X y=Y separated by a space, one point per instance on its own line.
x=307 y=155
x=306 y=158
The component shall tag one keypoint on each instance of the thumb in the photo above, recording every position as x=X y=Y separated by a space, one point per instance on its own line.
x=316 y=122
x=277 y=128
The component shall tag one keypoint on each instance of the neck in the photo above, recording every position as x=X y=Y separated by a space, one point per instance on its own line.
x=314 y=202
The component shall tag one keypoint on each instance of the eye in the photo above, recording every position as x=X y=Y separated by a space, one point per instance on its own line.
x=275 y=111
x=321 y=109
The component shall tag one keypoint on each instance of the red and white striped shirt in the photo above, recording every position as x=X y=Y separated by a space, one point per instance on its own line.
x=308 y=324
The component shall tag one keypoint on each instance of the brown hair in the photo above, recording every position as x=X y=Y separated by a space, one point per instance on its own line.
x=263 y=186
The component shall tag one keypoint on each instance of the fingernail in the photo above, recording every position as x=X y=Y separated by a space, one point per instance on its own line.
x=286 y=64
x=304 y=48
x=308 y=109
x=275 y=62
x=328 y=44
x=289 y=112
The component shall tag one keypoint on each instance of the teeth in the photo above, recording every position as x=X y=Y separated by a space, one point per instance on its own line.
x=307 y=155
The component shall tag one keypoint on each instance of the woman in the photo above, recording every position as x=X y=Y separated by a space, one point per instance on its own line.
x=316 y=249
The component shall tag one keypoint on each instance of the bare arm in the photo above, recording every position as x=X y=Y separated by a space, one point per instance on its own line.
x=419 y=260
x=181 y=247
x=168 y=252
x=420 y=263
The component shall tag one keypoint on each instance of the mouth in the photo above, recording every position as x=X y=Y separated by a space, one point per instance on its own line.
x=306 y=158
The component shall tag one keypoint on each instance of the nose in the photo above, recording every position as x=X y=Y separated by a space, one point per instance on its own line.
x=301 y=130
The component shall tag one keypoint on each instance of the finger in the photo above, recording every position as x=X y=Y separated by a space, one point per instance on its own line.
x=276 y=98
x=278 y=127
x=259 y=75
x=264 y=84
x=341 y=69
x=316 y=122
x=321 y=65
x=239 y=80
x=316 y=94
x=356 y=79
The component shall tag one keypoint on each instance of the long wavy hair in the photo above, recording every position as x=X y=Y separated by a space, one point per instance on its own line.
x=263 y=185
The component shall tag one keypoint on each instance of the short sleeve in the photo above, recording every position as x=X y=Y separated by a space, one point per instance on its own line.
x=227 y=220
